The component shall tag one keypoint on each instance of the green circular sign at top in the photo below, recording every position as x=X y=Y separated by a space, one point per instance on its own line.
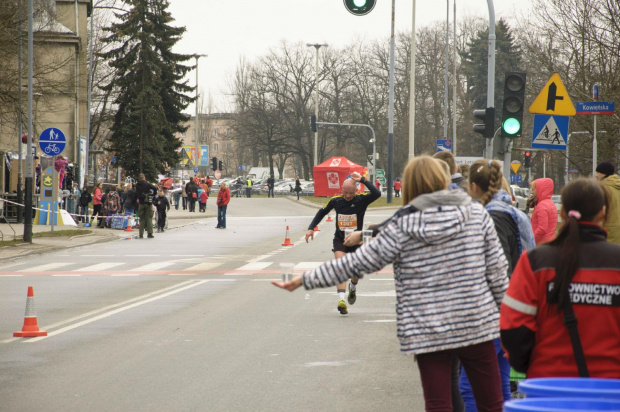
x=511 y=126
x=359 y=7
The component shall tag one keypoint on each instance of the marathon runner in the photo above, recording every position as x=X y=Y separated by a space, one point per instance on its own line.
x=350 y=208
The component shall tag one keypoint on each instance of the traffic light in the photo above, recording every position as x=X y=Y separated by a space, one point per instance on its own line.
x=214 y=163
x=513 y=104
x=359 y=7
x=221 y=165
x=313 y=123
x=488 y=118
x=527 y=160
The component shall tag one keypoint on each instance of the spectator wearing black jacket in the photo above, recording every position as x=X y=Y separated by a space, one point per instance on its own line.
x=163 y=205
x=85 y=199
x=131 y=200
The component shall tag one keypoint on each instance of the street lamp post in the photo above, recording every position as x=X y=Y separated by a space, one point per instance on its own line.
x=197 y=56
x=317 y=46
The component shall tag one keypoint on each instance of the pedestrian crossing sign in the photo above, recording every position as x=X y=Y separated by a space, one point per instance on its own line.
x=550 y=132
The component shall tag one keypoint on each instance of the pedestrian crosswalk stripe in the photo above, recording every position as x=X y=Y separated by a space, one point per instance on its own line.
x=152 y=266
x=48 y=266
x=255 y=266
x=98 y=267
x=308 y=265
x=203 y=267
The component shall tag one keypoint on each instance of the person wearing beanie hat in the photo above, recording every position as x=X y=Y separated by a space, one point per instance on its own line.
x=605 y=173
x=604 y=170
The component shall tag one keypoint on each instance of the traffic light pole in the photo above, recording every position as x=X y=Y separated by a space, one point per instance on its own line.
x=491 y=70
x=29 y=159
x=374 y=145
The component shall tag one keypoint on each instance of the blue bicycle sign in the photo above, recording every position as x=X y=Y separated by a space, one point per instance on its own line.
x=52 y=141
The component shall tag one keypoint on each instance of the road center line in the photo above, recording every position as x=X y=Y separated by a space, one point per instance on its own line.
x=115 y=311
x=85 y=315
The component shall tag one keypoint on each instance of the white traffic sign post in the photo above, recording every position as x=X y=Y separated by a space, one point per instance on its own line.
x=595 y=108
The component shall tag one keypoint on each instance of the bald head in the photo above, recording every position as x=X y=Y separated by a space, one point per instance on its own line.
x=349 y=187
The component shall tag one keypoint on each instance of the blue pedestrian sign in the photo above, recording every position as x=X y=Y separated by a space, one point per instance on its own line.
x=550 y=132
x=196 y=170
x=444 y=145
x=52 y=141
x=516 y=179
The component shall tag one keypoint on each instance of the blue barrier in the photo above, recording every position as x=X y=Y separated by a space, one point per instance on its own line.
x=561 y=405
x=571 y=387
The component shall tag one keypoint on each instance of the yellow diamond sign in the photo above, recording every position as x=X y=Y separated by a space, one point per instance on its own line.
x=553 y=99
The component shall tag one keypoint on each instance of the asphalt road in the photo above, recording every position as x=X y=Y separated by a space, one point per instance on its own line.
x=190 y=321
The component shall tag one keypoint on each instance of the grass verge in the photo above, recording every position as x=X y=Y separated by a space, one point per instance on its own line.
x=57 y=233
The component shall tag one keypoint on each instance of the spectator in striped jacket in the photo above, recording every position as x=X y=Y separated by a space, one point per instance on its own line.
x=450 y=275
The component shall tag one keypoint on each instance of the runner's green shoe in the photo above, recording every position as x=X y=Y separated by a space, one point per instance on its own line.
x=351 y=298
x=342 y=307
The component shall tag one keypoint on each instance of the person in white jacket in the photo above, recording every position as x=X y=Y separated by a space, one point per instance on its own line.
x=450 y=278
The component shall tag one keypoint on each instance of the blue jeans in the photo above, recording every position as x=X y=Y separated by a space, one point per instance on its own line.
x=84 y=213
x=221 y=216
x=129 y=211
x=504 y=373
x=177 y=196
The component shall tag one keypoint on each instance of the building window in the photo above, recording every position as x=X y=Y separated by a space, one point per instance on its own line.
x=228 y=146
x=227 y=132
x=183 y=134
x=214 y=132
x=203 y=133
x=215 y=147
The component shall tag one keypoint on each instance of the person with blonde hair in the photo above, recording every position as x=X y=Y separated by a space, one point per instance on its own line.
x=450 y=276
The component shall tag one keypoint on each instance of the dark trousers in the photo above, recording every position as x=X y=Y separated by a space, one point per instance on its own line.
x=480 y=362
x=270 y=192
x=161 y=219
x=192 y=204
x=397 y=193
x=221 y=216
x=248 y=192
x=184 y=199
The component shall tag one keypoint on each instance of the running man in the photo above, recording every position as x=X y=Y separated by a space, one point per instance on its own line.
x=350 y=208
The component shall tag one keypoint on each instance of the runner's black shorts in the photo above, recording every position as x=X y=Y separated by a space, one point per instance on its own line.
x=340 y=247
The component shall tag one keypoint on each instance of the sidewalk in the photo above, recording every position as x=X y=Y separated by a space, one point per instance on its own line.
x=91 y=235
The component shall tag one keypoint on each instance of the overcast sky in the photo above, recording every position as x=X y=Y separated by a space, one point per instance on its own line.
x=227 y=30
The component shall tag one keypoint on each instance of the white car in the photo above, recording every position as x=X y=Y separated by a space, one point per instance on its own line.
x=520 y=196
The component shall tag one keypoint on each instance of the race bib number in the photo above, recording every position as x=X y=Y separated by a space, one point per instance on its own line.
x=347 y=221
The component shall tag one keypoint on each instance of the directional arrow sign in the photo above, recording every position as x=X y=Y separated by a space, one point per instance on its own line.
x=553 y=99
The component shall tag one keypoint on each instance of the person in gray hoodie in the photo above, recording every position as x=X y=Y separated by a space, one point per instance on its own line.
x=450 y=278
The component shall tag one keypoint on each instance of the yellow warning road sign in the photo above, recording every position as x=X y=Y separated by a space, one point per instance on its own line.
x=553 y=99
x=515 y=165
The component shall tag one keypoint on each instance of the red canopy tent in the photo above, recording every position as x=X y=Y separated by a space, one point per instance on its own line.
x=331 y=174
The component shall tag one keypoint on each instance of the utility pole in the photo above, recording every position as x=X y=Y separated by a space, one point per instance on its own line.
x=29 y=158
x=196 y=163
x=317 y=46
x=491 y=73
x=390 y=165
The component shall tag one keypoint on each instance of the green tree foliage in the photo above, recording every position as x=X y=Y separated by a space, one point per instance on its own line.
x=151 y=93
x=508 y=57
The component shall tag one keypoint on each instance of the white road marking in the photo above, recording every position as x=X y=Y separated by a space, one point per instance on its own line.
x=96 y=255
x=142 y=255
x=115 y=311
x=152 y=266
x=85 y=315
x=256 y=259
x=308 y=265
x=182 y=274
x=255 y=266
x=203 y=267
x=187 y=255
x=238 y=274
x=125 y=274
x=11 y=276
x=98 y=267
x=67 y=276
x=48 y=266
x=381 y=321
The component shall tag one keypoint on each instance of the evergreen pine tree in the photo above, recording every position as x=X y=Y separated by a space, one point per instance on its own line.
x=151 y=93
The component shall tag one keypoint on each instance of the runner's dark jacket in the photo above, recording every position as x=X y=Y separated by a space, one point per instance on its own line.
x=533 y=331
x=143 y=189
x=348 y=213
x=131 y=199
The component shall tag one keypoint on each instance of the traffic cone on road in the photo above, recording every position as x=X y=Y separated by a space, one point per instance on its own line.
x=329 y=219
x=287 y=239
x=30 y=328
x=316 y=229
x=129 y=225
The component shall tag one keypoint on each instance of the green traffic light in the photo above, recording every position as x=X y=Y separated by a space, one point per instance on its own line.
x=511 y=126
x=359 y=3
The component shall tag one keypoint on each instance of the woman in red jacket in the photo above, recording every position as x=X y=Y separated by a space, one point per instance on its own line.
x=545 y=215
x=578 y=270
x=223 y=197
x=97 y=194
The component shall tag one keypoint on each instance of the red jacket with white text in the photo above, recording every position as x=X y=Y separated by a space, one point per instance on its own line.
x=533 y=331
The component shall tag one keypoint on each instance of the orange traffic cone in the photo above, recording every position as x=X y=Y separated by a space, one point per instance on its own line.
x=30 y=328
x=129 y=224
x=316 y=229
x=287 y=239
x=329 y=219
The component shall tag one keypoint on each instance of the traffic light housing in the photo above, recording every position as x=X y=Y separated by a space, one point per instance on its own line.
x=486 y=128
x=214 y=163
x=359 y=7
x=513 y=104
x=221 y=165
x=313 y=123
x=527 y=159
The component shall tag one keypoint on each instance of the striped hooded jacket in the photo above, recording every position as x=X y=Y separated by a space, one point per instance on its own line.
x=449 y=272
